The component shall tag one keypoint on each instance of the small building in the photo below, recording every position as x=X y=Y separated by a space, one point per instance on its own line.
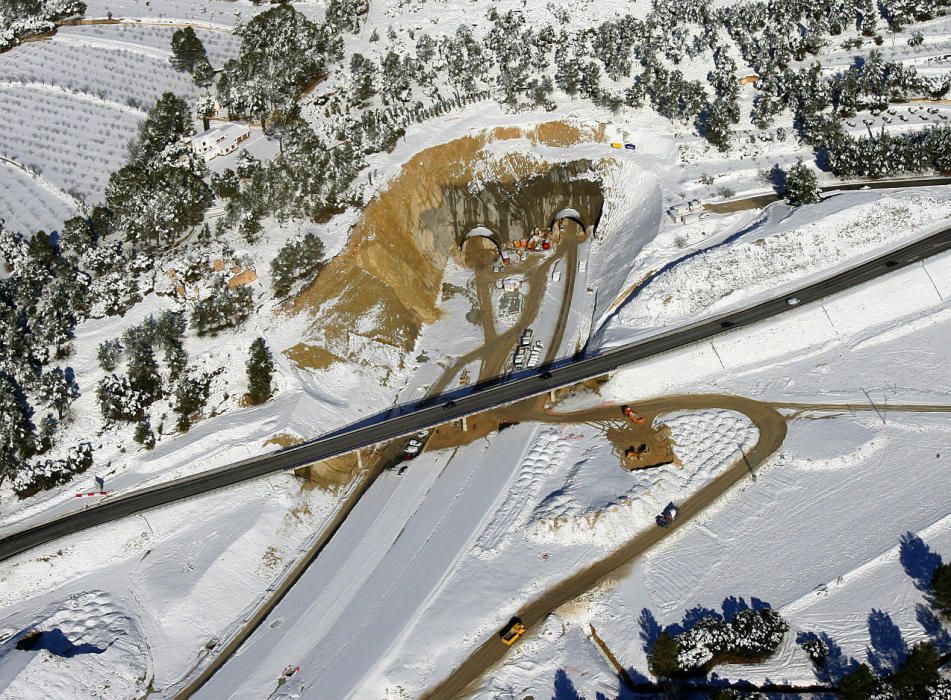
x=686 y=212
x=679 y=209
x=220 y=140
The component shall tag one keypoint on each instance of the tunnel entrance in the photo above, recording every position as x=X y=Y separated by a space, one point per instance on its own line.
x=570 y=214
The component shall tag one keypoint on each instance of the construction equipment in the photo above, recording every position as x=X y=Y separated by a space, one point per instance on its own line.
x=668 y=515
x=633 y=452
x=632 y=416
x=512 y=631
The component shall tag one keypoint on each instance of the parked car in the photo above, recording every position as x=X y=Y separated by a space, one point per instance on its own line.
x=668 y=515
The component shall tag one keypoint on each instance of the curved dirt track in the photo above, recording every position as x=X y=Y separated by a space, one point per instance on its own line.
x=772 y=432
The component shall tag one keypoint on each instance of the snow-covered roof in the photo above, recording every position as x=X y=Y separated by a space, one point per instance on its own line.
x=221 y=132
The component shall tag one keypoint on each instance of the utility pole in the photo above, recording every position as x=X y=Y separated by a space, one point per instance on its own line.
x=874 y=407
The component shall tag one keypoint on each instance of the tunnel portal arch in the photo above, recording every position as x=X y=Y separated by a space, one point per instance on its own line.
x=481 y=231
x=569 y=213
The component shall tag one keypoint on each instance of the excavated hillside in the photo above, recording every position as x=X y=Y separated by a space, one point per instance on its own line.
x=384 y=286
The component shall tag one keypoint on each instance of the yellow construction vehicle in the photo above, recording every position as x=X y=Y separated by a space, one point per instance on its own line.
x=512 y=631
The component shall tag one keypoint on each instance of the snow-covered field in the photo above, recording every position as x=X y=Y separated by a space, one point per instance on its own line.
x=830 y=532
x=783 y=250
x=72 y=105
x=466 y=522
x=436 y=559
x=167 y=585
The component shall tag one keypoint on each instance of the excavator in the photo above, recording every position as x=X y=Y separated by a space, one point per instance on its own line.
x=632 y=416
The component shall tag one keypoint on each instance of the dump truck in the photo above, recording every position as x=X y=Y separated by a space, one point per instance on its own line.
x=511 y=632
x=668 y=515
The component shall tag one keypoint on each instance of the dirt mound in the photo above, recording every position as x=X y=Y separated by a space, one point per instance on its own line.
x=383 y=287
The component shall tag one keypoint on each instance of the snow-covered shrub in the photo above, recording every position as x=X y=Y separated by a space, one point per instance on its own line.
x=47 y=473
x=750 y=635
x=297 y=260
x=802 y=185
x=224 y=308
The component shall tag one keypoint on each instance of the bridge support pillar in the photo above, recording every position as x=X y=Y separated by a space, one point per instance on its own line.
x=551 y=396
x=465 y=426
x=360 y=460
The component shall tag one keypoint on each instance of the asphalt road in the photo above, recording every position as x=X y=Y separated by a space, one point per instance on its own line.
x=404 y=420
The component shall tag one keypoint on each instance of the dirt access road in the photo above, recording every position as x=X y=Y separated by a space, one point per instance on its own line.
x=496 y=348
x=494 y=352
x=772 y=433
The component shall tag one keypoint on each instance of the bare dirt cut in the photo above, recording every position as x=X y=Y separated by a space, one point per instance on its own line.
x=385 y=285
x=284 y=440
x=330 y=474
x=641 y=446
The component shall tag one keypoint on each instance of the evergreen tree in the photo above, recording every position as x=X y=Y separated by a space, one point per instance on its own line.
x=187 y=50
x=919 y=674
x=17 y=432
x=363 y=71
x=167 y=122
x=204 y=74
x=941 y=589
x=858 y=684
x=58 y=389
x=143 y=434
x=260 y=370
x=144 y=377
x=117 y=400
x=77 y=236
x=191 y=395
x=297 y=260
x=347 y=15
x=48 y=426
x=224 y=308
x=802 y=185
x=663 y=657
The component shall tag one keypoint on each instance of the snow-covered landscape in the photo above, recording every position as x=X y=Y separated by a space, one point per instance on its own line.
x=239 y=240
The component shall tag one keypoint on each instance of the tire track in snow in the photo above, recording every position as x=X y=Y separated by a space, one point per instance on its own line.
x=549 y=449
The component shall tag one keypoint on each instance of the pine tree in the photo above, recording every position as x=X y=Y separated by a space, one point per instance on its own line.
x=858 y=684
x=58 y=389
x=662 y=659
x=297 y=260
x=144 y=378
x=260 y=369
x=941 y=589
x=919 y=673
x=16 y=427
x=143 y=434
x=802 y=185
x=187 y=50
x=191 y=395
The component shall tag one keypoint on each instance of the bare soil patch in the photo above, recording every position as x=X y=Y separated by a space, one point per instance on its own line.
x=384 y=286
x=330 y=474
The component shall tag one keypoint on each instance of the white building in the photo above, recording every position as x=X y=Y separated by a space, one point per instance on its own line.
x=220 y=140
